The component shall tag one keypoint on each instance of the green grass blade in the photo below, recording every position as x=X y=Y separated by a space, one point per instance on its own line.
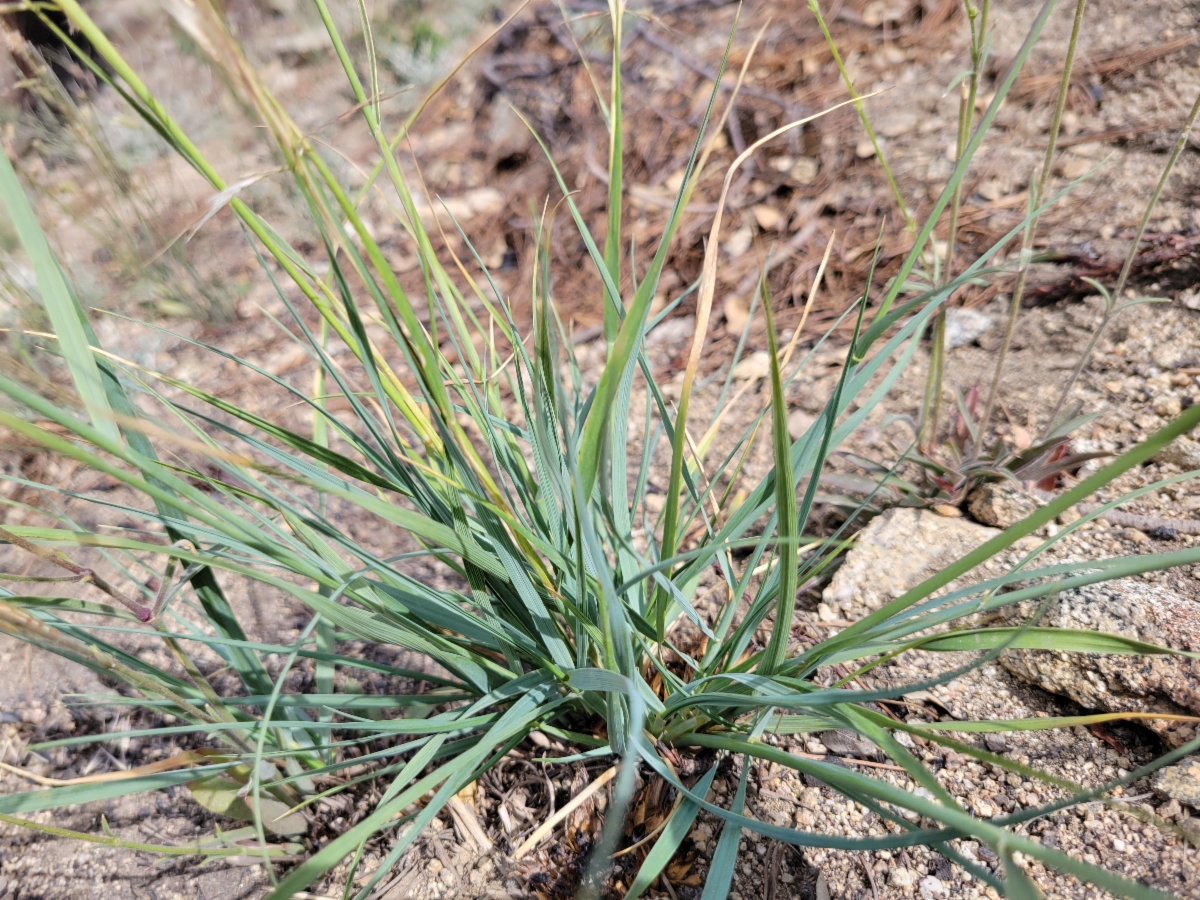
x=632 y=328
x=616 y=166
x=59 y=302
x=1017 y=885
x=720 y=870
x=672 y=836
x=785 y=501
x=72 y=795
x=1066 y=640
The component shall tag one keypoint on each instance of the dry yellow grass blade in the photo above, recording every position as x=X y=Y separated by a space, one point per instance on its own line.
x=706 y=442
x=708 y=277
x=178 y=761
x=546 y=827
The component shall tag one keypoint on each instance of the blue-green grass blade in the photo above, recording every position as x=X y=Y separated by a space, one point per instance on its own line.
x=72 y=795
x=903 y=325
x=787 y=524
x=1017 y=884
x=672 y=836
x=958 y=823
x=448 y=779
x=59 y=302
x=1065 y=640
x=960 y=170
x=634 y=322
x=720 y=870
x=1135 y=456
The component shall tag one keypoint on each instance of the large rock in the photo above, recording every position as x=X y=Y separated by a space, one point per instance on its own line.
x=1180 y=782
x=896 y=551
x=1000 y=503
x=964 y=326
x=1134 y=609
x=1182 y=452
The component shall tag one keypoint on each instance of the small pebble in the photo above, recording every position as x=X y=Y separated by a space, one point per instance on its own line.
x=1168 y=406
x=932 y=887
x=902 y=878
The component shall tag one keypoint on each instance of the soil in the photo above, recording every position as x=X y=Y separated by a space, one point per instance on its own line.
x=1136 y=76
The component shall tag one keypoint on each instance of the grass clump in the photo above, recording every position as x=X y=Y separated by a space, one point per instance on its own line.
x=490 y=450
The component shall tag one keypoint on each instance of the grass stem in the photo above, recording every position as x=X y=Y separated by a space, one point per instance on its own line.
x=1116 y=304
x=1035 y=200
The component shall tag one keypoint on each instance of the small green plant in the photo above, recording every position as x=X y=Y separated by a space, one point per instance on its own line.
x=487 y=452
x=968 y=457
x=970 y=451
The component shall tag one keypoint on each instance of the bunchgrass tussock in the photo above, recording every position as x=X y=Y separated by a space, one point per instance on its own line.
x=487 y=449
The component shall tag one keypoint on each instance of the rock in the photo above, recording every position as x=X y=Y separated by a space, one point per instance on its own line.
x=901 y=121
x=1170 y=810
x=767 y=217
x=983 y=807
x=902 y=878
x=737 y=314
x=896 y=551
x=798 y=423
x=864 y=149
x=1182 y=452
x=1168 y=406
x=997 y=743
x=951 y=759
x=302 y=48
x=963 y=326
x=1076 y=167
x=1118 y=683
x=805 y=170
x=739 y=242
x=672 y=331
x=877 y=12
x=1019 y=438
x=507 y=133
x=932 y=887
x=1190 y=299
x=1069 y=516
x=990 y=190
x=847 y=743
x=1180 y=782
x=1000 y=503
x=756 y=365
x=1135 y=536
x=484 y=201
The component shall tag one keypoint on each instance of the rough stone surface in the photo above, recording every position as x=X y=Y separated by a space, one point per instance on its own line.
x=902 y=878
x=1134 y=609
x=1181 y=782
x=1182 y=452
x=964 y=326
x=896 y=551
x=1000 y=503
x=798 y=423
x=932 y=887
